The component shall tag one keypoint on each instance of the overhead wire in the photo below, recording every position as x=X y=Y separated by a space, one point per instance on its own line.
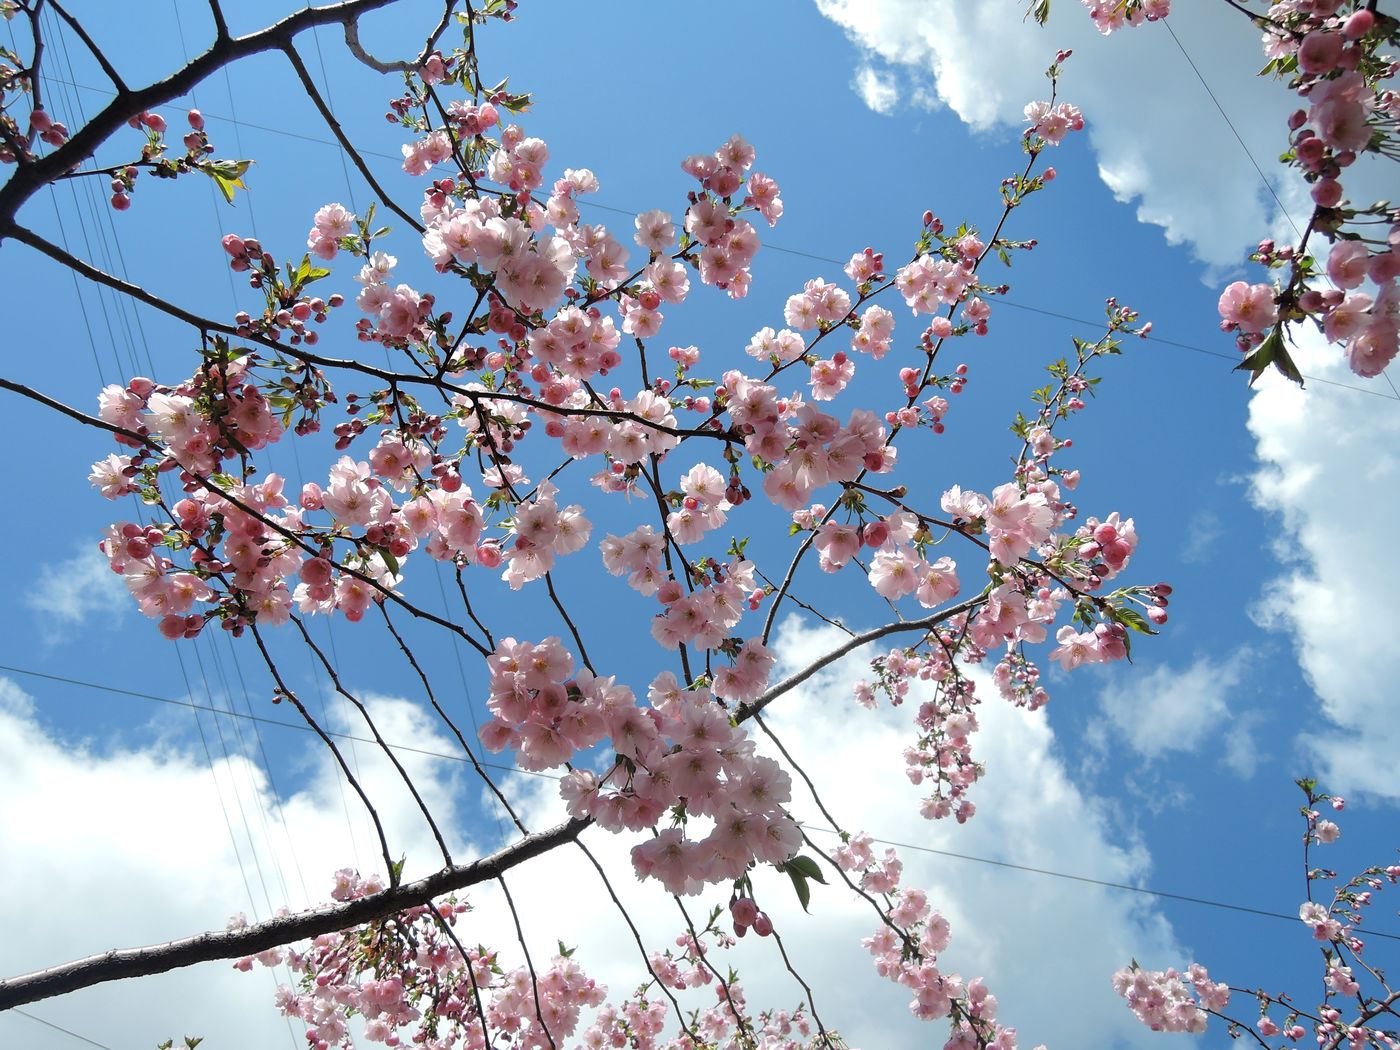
x=71 y=108
x=60 y=1028
x=1268 y=185
x=954 y=854
x=769 y=246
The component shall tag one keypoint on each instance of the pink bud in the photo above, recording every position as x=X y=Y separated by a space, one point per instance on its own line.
x=235 y=245
x=763 y=925
x=154 y=121
x=1358 y=25
x=1327 y=193
x=40 y=120
x=875 y=534
x=196 y=119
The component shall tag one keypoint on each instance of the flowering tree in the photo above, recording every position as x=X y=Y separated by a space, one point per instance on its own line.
x=1331 y=54
x=527 y=385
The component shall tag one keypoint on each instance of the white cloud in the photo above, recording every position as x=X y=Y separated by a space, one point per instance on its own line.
x=1203 y=533
x=1329 y=469
x=133 y=845
x=1011 y=927
x=1168 y=709
x=876 y=89
x=1157 y=136
x=70 y=592
x=114 y=848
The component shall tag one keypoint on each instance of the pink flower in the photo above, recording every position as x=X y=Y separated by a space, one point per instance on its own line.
x=1250 y=308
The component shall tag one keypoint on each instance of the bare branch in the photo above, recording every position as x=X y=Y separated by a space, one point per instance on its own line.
x=120 y=964
x=31 y=178
x=96 y=51
x=220 y=24
x=309 y=85
x=403 y=65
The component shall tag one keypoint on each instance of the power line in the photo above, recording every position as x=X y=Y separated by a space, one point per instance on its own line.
x=1164 y=894
x=1233 y=130
x=1101 y=882
x=60 y=1028
x=837 y=262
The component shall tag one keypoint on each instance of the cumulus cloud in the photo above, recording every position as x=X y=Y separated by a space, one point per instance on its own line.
x=114 y=847
x=133 y=845
x=70 y=592
x=877 y=89
x=1169 y=709
x=1011 y=927
x=1154 y=129
x=1330 y=473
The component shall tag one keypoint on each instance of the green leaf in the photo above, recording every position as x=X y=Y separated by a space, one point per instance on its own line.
x=1270 y=352
x=227 y=175
x=306 y=273
x=1134 y=619
x=808 y=867
x=799 y=883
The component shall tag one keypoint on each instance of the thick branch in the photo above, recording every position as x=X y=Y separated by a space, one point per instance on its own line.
x=925 y=623
x=29 y=179
x=120 y=964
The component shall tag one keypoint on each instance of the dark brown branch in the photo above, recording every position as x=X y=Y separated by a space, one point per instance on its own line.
x=309 y=85
x=530 y=966
x=637 y=936
x=220 y=23
x=124 y=963
x=746 y=711
x=284 y=690
x=378 y=739
x=205 y=324
x=432 y=699
x=31 y=178
x=287 y=534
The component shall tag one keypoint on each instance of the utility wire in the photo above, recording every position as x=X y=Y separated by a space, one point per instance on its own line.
x=1164 y=894
x=60 y=1028
x=837 y=262
x=1233 y=130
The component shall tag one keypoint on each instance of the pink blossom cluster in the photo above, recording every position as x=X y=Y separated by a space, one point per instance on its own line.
x=332 y=223
x=640 y=1021
x=906 y=950
x=814 y=451
x=407 y=979
x=1165 y=1002
x=941 y=755
x=1341 y=80
x=1051 y=123
x=1110 y=15
x=707 y=616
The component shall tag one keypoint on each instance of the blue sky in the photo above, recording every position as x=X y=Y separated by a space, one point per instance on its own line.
x=1175 y=773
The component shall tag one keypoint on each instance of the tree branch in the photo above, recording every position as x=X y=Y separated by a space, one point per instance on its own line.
x=124 y=963
x=92 y=47
x=31 y=178
x=403 y=65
